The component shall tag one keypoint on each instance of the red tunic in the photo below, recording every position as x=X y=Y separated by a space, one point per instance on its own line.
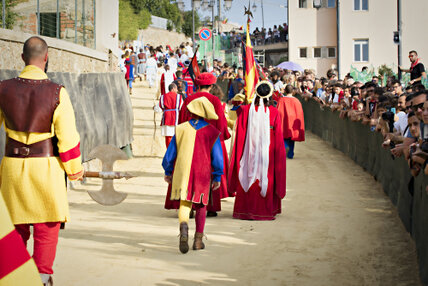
x=293 y=121
x=251 y=205
x=200 y=171
x=189 y=80
x=170 y=103
x=221 y=125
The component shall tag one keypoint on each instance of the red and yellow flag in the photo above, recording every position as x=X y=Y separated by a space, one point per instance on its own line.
x=251 y=75
x=16 y=265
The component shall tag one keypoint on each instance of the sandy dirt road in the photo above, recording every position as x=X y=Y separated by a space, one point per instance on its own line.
x=337 y=228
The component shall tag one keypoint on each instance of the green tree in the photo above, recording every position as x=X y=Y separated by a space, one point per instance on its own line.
x=144 y=19
x=188 y=23
x=130 y=22
x=161 y=8
x=10 y=15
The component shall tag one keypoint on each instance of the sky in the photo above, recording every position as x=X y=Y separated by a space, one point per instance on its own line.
x=275 y=12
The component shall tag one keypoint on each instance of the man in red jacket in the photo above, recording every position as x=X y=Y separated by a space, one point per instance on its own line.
x=292 y=120
x=170 y=103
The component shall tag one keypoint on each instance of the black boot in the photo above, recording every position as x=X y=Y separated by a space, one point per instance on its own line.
x=184 y=237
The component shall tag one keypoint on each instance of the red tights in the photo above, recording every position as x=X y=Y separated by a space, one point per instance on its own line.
x=45 y=240
x=168 y=140
x=200 y=218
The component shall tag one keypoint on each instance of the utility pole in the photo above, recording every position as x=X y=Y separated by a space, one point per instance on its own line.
x=213 y=36
x=193 y=25
x=4 y=13
x=399 y=37
x=263 y=17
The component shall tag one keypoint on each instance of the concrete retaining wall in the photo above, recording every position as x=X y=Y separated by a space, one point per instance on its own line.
x=63 y=56
x=364 y=147
x=101 y=104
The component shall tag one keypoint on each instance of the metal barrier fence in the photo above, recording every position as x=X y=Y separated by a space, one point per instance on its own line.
x=223 y=49
x=70 y=20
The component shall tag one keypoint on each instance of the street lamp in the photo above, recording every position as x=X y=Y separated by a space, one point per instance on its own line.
x=228 y=4
x=254 y=7
x=180 y=4
x=196 y=4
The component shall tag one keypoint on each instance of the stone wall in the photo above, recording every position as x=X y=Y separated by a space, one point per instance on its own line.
x=157 y=37
x=101 y=104
x=63 y=56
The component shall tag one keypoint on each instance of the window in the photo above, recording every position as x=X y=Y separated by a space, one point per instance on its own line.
x=361 y=5
x=303 y=4
x=361 y=50
x=331 y=3
x=48 y=24
x=331 y=52
x=303 y=52
x=317 y=52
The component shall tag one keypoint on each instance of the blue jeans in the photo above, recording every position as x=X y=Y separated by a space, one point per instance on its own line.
x=289 y=144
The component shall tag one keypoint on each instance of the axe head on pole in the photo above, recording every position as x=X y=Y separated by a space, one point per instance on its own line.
x=107 y=154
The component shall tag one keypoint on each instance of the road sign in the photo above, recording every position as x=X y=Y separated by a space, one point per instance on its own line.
x=205 y=34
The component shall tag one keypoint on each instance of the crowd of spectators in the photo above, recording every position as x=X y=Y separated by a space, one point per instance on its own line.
x=260 y=36
x=399 y=113
x=279 y=33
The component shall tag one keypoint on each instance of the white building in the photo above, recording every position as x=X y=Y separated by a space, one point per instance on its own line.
x=345 y=33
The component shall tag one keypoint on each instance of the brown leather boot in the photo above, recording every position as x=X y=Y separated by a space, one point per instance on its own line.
x=197 y=242
x=184 y=237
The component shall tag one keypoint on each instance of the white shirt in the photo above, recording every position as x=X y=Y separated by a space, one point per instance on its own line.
x=189 y=50
x=172 y=62
x=401 y=124
x=278 y=85
x=151 y=64
x=184 y=58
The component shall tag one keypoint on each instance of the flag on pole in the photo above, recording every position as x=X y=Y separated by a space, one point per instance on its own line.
x=194 y=67
x=250 y=71
x=260 y=71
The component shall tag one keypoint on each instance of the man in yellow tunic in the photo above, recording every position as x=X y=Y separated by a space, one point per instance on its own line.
x=41 y=143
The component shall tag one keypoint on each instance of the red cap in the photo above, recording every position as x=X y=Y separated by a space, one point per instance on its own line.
x=206 y=78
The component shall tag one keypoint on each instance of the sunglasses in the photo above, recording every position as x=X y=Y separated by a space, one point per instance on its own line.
x=416 y=107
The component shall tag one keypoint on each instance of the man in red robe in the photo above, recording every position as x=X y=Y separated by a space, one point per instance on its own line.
x=170 y=104
x=257 y=165
x=292 y=120
x=205 y=82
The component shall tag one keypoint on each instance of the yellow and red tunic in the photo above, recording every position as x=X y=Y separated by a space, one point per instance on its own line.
x=16 y=265
x=34 y=189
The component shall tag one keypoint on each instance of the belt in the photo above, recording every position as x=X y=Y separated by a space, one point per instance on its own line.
x=171 y=110
x=45 y=148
